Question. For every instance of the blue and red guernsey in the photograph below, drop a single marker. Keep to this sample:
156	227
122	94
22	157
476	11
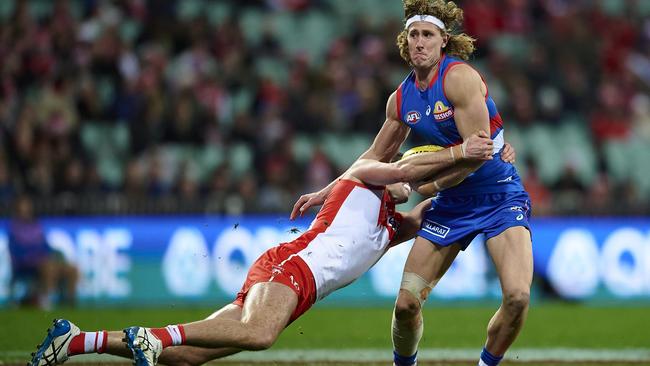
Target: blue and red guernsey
431	115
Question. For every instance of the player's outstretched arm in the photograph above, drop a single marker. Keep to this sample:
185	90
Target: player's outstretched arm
419	167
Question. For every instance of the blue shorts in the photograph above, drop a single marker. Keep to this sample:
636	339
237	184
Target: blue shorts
460	218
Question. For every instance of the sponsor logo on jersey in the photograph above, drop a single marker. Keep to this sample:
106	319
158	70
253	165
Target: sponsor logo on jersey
506	180
517	208
413	117
520	217
428	110
441	112
435	228
394	224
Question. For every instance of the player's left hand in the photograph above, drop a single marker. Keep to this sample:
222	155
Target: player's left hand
508	154
478	146
306	201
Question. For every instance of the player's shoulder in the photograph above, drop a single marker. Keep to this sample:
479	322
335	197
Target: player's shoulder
461	72
460	82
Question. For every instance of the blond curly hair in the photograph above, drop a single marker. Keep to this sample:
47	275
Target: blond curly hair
459	45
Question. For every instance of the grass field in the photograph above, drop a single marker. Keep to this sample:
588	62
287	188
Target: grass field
554	334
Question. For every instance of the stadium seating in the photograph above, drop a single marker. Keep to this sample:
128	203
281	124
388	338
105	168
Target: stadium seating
303	148
240	158
108	146
575	143
6	9
310	31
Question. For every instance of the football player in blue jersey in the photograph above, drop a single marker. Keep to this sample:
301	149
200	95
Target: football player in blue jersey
445	100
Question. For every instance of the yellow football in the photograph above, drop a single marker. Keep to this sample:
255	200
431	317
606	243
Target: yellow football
421	149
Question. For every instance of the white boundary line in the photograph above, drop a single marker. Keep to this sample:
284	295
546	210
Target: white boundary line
374	355
382	355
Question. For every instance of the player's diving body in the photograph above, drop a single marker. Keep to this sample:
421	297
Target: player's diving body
444	100
353	229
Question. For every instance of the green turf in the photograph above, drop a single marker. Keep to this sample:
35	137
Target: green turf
558	325
548	326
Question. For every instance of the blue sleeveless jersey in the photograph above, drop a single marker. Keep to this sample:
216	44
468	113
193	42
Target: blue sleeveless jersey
430	114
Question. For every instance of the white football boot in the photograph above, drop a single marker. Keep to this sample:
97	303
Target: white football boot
145	346
54	348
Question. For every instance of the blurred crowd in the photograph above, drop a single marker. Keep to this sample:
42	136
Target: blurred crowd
162	106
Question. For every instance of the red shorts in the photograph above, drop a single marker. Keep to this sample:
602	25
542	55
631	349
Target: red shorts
280	264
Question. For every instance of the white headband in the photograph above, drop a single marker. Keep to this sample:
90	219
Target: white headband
425	18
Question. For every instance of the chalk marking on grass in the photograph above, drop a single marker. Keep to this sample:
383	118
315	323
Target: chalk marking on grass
524	355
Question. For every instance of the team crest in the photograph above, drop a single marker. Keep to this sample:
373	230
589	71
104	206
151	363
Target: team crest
441	112
413	117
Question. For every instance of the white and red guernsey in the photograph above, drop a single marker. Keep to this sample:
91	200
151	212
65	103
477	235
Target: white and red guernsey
348	236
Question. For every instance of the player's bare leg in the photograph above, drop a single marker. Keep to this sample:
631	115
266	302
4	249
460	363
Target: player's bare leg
65	340
116	346
189	355
512	254
425	265
266	312
181	355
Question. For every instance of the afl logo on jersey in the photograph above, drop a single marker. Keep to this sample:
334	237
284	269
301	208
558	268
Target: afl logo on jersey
441	112
413	117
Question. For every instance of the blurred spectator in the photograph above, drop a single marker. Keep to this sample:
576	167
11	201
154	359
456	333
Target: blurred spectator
247	194
320	171
599	198
183	125
6	185
33	260
610	119
280	172
219	187
134	182
483	18
641	116
569	192
630	199
187	190
56	113
540	196
244	197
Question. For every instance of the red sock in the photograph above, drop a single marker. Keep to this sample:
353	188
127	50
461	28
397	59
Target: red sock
171	335
88	342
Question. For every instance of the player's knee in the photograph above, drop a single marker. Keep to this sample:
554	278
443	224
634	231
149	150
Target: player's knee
412	294
406	307
261	340
516	302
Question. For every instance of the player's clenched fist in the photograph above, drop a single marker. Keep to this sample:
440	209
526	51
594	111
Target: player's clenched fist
478	146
